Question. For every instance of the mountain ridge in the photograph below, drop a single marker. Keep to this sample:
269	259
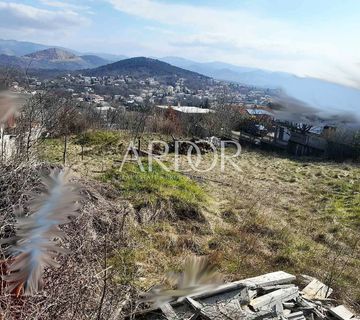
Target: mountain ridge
327	96
19	48
22	48
53	59
146	67
322	94
51	54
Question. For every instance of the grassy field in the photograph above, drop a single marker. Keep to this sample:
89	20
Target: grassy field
300	216
274	213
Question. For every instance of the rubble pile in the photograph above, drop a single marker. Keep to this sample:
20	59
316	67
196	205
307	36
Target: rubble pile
270	296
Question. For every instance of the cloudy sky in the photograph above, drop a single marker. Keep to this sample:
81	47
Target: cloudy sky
318	38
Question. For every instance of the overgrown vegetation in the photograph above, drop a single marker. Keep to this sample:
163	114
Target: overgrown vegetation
99	137
169	192
300	216
277	213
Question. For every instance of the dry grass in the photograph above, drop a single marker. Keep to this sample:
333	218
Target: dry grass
75	290
299	216
102	150
274	214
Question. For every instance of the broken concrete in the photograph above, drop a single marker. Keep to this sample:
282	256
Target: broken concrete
270	296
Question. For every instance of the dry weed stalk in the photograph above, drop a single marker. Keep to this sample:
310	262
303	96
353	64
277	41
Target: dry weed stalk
75	289
34	249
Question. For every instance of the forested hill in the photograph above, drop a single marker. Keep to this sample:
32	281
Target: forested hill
142	67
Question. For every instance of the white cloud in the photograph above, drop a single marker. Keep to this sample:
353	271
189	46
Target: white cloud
67	5
196	17
24	18
245	37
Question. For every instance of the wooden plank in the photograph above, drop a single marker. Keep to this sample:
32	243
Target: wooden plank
232	309
220	289
309	305
199	308
195	315
277	287
195	304
286	312
272	299
289	305
296	316
252	294
342	313
307	279
316	290
269	279
279	309
169	312
207	312
262	314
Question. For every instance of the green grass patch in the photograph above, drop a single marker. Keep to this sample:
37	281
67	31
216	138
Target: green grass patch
344	202
157	187
123	261
97	138
51	150
102	142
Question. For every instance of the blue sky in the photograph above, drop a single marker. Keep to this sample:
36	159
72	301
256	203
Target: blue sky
316	38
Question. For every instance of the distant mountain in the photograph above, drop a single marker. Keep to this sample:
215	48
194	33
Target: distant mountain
324	95
11	61
205	66
23	48
107	56
53	59
314	92
19	48
95	60
52	54
142	67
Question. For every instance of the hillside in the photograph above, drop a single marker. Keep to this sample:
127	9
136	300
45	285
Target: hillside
107	56
142	67
95	60
53	59
324	95
11	61
273	214
52	54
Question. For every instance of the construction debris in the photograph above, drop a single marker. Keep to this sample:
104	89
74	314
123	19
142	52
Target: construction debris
342	313
317	290
270	296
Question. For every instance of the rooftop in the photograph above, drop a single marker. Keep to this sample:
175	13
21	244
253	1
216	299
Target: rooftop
187	109
256	112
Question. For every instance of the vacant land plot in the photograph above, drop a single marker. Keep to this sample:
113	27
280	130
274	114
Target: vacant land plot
300	216
274	213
